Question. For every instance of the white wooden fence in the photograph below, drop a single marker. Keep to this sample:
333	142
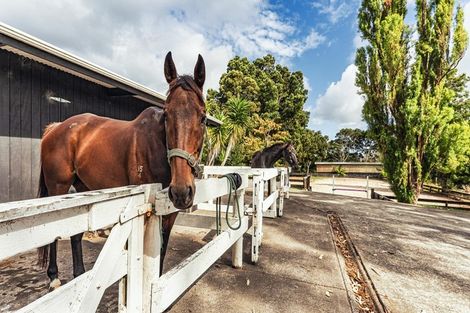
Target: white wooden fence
270	206
131	254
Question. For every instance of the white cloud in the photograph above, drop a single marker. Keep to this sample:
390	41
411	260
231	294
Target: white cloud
307	84
358	42
340	103
133	38
335	10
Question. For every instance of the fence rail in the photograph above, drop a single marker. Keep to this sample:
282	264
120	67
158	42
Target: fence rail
447	192
131	254
270	205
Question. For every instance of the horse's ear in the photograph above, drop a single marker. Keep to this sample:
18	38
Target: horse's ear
200	72
170	68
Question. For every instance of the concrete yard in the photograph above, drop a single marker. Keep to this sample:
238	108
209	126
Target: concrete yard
418	260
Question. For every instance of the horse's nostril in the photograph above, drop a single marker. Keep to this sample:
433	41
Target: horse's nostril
170	193
181	195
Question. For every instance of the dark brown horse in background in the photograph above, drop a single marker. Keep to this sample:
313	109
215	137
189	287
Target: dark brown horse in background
90	152
268	156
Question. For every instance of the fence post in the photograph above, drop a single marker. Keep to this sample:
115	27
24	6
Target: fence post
282	192
272	210
258	192
237	248
367	187
288	170
333	189
152	249
135	266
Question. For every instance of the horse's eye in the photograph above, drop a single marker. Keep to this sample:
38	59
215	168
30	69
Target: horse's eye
203	120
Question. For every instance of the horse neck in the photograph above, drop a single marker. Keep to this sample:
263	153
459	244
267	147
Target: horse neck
273	157
152	142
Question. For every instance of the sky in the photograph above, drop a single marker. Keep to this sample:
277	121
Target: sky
131	38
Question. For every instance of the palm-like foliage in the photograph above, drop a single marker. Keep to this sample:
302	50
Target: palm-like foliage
217	138
237	112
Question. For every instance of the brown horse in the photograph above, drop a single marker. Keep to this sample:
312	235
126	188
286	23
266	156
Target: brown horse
90	152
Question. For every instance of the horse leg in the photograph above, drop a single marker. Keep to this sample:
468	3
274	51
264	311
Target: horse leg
77	256
52	269
76	240
167	224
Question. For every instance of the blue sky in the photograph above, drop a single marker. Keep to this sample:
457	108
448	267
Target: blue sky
131	38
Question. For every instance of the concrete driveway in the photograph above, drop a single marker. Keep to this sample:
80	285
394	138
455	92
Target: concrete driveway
418	260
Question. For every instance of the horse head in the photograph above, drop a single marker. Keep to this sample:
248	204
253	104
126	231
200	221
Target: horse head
290	155
185	122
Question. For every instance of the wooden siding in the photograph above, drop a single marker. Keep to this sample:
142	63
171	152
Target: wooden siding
25	109
349	167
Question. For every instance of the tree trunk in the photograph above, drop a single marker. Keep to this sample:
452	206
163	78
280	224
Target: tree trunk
227	152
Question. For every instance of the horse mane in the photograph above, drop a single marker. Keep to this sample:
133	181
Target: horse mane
187	83
256	155
274	146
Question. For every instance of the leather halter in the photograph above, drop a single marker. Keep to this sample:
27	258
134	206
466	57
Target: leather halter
191	159
193	162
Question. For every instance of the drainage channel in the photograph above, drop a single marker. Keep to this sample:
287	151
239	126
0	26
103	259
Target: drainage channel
366	296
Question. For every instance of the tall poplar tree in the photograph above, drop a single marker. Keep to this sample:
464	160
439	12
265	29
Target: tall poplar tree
409	85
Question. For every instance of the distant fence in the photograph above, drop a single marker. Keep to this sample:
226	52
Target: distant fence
372	169
301	180
447	192
448	203
350	189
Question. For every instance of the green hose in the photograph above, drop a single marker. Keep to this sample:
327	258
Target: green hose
218	206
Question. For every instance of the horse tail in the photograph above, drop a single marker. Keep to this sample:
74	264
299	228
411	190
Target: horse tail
43	252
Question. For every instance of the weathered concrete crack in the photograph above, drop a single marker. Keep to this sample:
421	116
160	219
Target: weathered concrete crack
367	297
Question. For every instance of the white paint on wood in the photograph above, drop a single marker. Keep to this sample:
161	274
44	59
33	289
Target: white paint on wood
21	235
212	207
135	275
58	301
237	248
48	218
21	209
270	201
169	287
152	250
89	295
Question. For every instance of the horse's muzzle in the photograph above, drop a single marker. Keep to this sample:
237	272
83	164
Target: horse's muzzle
181	196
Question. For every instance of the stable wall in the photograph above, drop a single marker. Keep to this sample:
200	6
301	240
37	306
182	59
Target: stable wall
26	88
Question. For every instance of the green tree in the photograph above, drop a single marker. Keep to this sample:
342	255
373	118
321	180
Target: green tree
410	85
275	92
312	148
352	145
276	97
455	151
